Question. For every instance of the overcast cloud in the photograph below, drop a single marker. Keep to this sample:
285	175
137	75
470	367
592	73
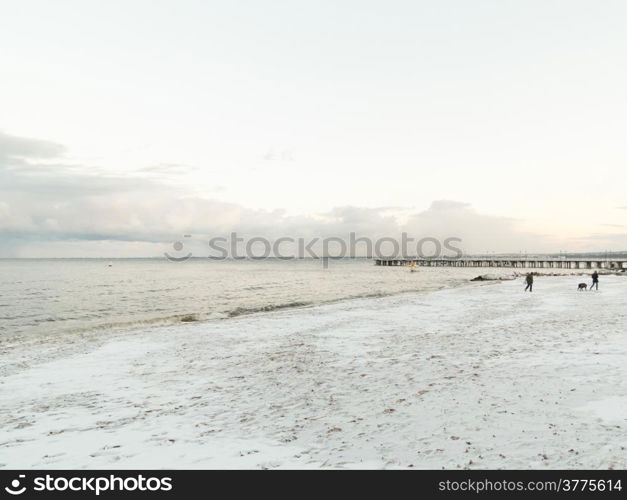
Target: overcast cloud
51	207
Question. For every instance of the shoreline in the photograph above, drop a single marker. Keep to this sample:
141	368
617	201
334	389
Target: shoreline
110	307
470	377
139	326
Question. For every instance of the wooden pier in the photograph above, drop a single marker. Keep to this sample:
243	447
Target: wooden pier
526	263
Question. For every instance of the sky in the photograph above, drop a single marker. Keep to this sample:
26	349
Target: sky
125	124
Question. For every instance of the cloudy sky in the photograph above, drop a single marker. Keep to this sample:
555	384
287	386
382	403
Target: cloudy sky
125	124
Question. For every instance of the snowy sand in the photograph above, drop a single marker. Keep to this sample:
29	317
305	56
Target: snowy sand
483	376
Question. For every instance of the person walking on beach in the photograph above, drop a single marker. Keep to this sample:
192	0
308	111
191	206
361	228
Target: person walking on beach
529	280
595	280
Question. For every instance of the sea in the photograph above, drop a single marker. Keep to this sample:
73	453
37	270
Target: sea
47	297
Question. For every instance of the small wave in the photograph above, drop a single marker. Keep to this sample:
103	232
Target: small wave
271	307
140	322
376	295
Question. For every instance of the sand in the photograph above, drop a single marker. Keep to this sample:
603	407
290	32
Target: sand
484	376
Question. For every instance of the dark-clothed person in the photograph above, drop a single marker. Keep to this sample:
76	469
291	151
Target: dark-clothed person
529	280
595	280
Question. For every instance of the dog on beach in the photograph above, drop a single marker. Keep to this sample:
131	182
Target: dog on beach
582	286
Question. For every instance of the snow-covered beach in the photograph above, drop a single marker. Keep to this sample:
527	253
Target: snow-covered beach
482	376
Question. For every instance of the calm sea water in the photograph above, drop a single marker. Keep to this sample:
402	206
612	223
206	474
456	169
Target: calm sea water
52	296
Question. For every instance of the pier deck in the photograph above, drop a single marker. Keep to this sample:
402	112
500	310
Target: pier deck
526	263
